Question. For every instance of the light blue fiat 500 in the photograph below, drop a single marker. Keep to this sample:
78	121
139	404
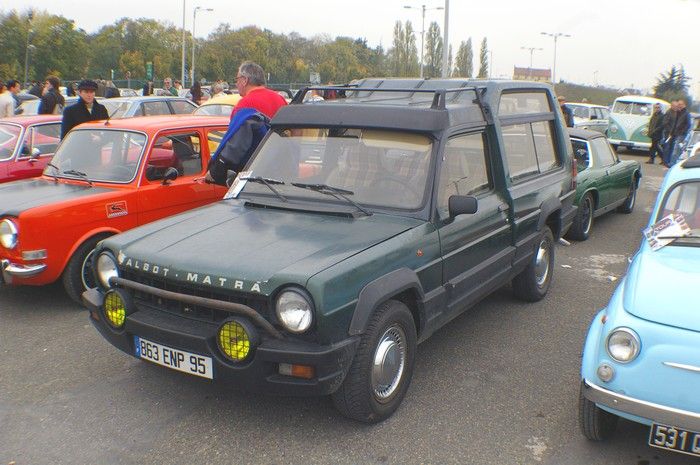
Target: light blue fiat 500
641	359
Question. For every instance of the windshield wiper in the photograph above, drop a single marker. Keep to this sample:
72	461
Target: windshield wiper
55	176
268	182
80	174
332	191
688	236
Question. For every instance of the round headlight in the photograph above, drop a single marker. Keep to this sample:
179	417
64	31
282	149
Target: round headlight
106	269
115	308
8	234
294	311
623	345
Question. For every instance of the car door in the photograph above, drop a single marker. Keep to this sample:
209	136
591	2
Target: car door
605	161
476	248
36	150
181	150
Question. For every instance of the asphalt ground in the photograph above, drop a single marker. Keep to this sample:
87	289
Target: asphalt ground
498	385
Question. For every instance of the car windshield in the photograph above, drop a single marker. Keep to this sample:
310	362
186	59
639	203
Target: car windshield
116	109
102	155
633	108
579	111
684	199
214	110
9	137
379	168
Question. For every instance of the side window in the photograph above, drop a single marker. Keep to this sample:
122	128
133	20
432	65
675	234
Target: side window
581	153
214	139
605	112
602	153
155	108
180	151
464	170
522	103
520	150
182	107
544	145
46	138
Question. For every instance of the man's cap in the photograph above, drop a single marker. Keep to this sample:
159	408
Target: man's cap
87	84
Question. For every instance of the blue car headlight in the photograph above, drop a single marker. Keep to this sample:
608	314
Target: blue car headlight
623	345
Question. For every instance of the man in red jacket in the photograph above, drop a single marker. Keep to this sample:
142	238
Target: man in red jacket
250	83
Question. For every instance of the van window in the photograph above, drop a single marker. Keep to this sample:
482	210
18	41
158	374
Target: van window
523	103
632	108
544	145
520	150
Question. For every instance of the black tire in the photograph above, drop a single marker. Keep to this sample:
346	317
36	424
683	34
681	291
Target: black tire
581	228
533	282
631	199
368	393
78	277
596	424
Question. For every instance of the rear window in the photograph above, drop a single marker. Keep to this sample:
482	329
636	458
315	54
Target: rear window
523	103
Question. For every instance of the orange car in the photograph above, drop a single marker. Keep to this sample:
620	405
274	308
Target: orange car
105	178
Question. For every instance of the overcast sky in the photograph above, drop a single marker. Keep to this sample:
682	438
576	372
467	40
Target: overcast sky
628	42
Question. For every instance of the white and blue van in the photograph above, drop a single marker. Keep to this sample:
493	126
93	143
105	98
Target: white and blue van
629	119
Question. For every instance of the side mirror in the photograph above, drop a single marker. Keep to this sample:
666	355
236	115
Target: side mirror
170	175
462	205
35	153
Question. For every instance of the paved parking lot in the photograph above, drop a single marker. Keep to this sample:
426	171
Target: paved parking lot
497	385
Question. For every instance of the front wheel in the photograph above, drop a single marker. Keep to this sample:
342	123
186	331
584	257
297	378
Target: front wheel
533	282
596	424
631	199
78	275
382	368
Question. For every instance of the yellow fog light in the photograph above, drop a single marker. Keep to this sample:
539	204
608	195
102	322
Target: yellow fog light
115	308
236	339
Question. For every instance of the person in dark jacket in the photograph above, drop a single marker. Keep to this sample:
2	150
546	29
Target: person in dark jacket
36	89
85	109
566	111
196	92
655	131
148	88
245	131
52	101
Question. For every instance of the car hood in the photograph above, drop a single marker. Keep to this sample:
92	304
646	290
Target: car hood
661	286
19	196
230	243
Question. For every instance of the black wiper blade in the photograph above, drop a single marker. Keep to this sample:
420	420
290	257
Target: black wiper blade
687	236
79	174
336	192
55	176
268	182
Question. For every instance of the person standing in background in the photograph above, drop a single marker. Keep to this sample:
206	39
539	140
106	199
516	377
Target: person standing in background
250	83
655	131
52	101
7	103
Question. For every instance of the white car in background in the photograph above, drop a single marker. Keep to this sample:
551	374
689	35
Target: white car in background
590	117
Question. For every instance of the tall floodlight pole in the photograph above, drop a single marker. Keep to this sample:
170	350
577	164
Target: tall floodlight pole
445	41
422	31
182	73
532	50
556	36
30	16
194	40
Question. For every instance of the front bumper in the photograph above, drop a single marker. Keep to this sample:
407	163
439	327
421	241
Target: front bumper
657	413
631	144
261	373
11	271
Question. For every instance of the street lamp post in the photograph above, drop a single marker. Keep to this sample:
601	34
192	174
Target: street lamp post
556	36
194	39
422	31
30	16
532	50
182	71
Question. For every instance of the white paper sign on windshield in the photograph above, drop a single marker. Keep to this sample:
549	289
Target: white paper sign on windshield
237	185
670	226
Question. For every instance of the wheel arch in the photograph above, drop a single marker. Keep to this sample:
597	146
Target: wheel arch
550	216
402	285
105	232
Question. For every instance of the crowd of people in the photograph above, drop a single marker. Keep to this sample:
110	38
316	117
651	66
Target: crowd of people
668	132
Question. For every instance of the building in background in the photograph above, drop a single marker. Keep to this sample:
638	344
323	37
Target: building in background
532	74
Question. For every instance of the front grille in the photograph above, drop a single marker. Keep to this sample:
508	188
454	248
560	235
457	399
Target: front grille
197	312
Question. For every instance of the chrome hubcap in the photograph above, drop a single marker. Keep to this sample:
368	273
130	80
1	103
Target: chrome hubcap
388	363
633	196
542	263
588	205
86	274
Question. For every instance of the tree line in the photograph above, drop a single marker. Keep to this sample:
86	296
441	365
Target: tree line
51	44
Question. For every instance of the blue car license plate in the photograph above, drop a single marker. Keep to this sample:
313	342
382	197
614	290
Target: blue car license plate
675	439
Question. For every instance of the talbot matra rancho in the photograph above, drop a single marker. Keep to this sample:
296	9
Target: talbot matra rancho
358	228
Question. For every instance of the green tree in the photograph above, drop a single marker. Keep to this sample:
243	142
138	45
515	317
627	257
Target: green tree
433	55
672	85
464	63
483	60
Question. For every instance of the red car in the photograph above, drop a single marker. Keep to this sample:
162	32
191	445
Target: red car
27	144
105	178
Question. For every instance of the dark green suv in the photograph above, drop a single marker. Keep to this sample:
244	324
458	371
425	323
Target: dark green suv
359	227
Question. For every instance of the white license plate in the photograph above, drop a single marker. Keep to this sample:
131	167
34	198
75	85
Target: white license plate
675	439
186	362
